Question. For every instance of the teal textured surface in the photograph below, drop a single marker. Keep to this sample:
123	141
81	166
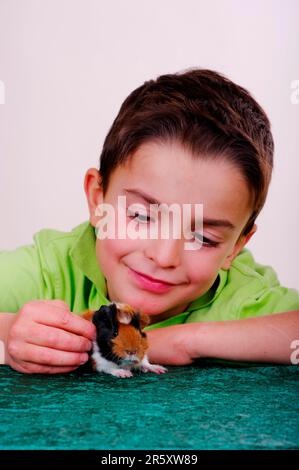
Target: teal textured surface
203	406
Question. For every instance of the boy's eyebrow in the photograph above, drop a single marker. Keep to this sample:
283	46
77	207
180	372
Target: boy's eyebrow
211	222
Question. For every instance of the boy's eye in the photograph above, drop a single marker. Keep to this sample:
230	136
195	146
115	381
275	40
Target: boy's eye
141	217
205	241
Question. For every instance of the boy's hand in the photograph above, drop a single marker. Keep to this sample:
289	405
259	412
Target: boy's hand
47	338
169	345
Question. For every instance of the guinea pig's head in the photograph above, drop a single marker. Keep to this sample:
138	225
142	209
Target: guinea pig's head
119	333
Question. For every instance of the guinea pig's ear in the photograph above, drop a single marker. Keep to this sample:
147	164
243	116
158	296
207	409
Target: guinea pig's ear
106	315
124	317
125	313
144	319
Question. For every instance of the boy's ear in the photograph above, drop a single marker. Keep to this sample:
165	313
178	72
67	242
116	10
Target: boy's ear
238	247
94	193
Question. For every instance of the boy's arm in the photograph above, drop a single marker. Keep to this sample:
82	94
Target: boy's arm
270	338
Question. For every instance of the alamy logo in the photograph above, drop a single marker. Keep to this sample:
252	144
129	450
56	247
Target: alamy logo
142	224
295	354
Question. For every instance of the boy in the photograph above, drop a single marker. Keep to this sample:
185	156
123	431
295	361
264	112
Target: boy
188	138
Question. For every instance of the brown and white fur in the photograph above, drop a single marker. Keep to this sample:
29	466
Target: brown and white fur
120	345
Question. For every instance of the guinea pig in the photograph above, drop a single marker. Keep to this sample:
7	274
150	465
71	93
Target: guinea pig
120	344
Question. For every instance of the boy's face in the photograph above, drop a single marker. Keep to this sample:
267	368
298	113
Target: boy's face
167	173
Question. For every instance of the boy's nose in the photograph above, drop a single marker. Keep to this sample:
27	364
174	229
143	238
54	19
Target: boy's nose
165	253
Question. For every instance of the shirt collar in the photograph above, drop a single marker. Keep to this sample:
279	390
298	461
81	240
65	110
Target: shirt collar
83	254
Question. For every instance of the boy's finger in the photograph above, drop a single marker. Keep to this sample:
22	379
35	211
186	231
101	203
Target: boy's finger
57	302
51	337
64	319
50	357
53	370
31	368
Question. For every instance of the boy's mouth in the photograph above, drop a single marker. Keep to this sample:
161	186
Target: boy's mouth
149	283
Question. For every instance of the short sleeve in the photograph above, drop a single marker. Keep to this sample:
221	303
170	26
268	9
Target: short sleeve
277	299
22	278
264	294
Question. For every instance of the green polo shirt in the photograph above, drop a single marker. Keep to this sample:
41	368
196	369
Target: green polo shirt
63	265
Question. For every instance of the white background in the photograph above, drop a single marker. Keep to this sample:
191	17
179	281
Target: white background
68	65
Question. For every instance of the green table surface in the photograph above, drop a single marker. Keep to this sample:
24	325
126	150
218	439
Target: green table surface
203	406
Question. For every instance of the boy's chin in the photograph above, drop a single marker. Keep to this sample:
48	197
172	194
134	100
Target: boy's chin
143	304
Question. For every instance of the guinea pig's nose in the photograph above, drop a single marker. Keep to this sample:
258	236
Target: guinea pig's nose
131	352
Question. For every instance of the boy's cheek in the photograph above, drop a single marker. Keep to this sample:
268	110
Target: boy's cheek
202	277
116	247
111	252
202	269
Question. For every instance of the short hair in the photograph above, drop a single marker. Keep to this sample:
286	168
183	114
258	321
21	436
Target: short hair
208	114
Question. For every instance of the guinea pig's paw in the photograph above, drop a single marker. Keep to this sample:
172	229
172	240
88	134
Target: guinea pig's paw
121	373
154	368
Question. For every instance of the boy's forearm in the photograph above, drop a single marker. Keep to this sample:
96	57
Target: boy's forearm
6	320
261	339
269	338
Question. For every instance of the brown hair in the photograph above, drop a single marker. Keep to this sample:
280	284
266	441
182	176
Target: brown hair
208	114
